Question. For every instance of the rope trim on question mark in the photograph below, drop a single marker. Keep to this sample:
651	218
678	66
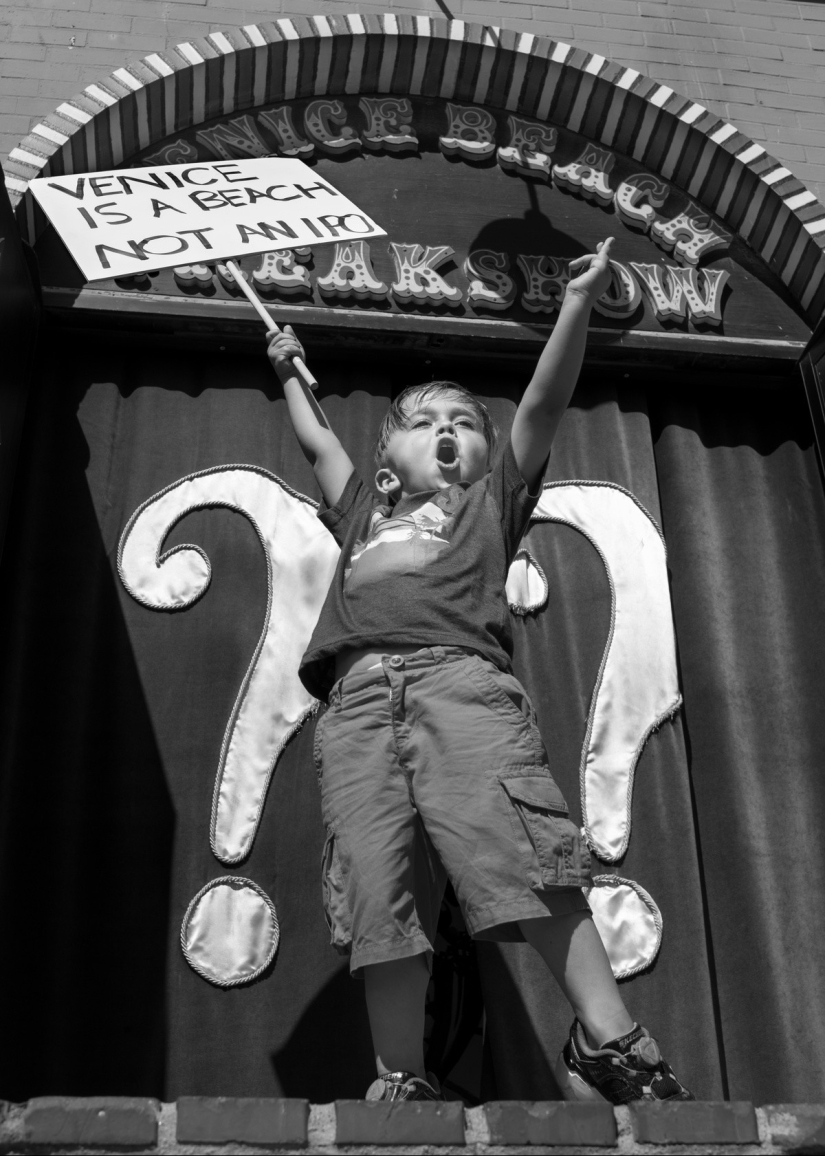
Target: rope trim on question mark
651	905
669	711
521	608
240	881
140	562
537	517
160	558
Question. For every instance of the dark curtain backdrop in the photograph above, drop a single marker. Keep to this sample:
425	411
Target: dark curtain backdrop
744	520
113	715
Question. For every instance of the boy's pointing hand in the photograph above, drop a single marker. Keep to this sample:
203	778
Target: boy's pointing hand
594	274
283	346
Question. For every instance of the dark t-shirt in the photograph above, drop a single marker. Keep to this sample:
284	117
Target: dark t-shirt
429	571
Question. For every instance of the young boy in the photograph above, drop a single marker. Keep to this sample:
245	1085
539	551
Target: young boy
430	760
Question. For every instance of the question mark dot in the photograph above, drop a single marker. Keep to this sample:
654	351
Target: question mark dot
230	931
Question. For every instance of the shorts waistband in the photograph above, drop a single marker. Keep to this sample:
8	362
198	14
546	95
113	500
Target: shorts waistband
418	660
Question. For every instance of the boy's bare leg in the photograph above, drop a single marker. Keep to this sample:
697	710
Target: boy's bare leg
396	992
572	948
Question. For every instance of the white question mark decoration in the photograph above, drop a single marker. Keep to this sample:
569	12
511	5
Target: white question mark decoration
230	931
636	689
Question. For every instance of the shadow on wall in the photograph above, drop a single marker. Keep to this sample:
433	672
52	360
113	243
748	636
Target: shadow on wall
86	825
533	232
760	419
452	1033
299	1065
518	1066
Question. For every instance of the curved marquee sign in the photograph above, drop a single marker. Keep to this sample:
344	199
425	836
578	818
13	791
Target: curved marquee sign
490	158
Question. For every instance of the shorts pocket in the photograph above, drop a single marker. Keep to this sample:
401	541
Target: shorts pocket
336	907
503	693
551	846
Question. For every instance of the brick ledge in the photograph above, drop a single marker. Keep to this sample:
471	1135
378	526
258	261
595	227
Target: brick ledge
231	1125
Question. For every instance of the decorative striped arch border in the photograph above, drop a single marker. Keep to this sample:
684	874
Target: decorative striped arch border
737	180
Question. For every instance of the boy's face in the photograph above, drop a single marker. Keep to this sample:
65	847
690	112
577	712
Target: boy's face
443	443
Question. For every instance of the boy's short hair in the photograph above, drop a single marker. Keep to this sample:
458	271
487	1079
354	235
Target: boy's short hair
396	416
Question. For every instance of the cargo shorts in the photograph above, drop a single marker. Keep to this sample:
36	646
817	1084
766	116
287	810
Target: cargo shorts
431	766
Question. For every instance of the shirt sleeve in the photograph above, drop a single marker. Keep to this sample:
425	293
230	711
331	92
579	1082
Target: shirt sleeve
509	491
354	501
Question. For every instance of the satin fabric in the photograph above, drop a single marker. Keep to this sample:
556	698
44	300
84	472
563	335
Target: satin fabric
629	923
636	687
300	559
526	587
230	932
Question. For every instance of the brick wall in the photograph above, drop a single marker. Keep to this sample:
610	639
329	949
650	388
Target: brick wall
758	63
227	1125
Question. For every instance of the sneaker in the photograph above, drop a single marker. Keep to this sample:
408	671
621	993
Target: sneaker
628	1068
404	1086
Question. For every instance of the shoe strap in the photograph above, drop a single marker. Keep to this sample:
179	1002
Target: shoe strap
639	1045
625	1042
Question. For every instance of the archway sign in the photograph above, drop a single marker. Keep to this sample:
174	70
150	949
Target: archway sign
490	157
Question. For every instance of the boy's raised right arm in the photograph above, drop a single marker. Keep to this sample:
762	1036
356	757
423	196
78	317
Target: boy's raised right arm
322	449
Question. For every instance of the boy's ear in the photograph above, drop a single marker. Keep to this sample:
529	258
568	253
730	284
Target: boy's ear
387	482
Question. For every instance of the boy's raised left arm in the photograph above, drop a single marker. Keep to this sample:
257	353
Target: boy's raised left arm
551	387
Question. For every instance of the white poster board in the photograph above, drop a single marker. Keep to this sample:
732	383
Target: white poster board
119	223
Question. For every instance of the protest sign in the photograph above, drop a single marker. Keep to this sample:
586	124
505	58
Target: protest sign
127	221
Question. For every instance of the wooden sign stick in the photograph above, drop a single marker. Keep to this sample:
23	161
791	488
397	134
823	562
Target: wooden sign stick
257	305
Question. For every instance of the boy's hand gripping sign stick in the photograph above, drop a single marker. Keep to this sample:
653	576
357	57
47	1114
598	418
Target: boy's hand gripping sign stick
258	306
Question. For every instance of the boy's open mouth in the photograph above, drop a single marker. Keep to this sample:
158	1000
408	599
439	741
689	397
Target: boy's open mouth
446	454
